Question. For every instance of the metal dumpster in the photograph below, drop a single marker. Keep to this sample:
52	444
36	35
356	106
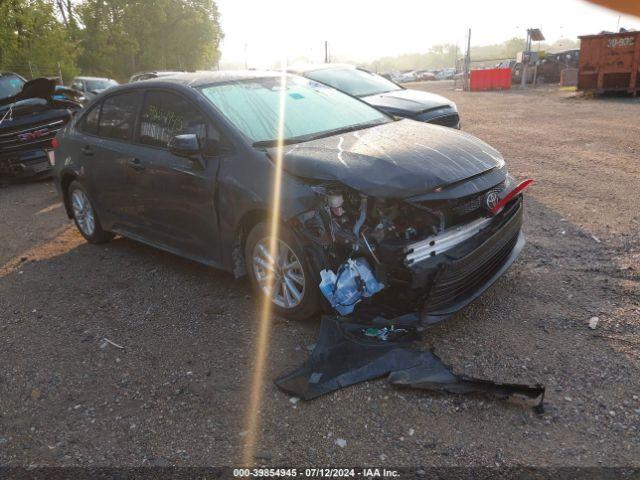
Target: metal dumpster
609	62
490	79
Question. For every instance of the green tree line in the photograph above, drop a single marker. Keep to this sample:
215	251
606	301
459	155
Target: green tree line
112	38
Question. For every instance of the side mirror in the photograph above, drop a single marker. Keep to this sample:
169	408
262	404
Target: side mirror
187	146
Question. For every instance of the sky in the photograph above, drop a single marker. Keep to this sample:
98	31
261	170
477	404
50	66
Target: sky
264	32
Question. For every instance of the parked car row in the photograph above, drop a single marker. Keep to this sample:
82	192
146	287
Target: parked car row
186	163
422	75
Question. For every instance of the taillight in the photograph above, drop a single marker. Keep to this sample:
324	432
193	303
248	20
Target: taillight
510	196
54	143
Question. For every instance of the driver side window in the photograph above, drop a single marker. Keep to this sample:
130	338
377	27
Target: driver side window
165	115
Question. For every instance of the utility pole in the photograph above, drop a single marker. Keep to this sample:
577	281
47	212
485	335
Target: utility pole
326	51
467	63
525	58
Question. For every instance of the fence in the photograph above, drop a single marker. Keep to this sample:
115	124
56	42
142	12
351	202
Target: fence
31	70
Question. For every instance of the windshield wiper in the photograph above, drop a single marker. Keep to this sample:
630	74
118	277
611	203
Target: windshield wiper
316	136
274	142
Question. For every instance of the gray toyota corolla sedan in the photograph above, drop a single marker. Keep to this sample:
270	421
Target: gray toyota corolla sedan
396	214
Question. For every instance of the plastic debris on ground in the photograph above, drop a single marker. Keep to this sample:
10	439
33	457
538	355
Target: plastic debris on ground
432	374
348	353
353	282
386	333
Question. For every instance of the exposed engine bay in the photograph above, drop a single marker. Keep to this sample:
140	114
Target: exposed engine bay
352	222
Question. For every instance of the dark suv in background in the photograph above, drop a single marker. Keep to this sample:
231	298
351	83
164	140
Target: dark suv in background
31	113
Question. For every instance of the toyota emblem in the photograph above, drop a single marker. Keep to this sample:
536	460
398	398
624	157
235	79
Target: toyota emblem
491	200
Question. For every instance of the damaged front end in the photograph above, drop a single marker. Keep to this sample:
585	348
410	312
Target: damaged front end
433	253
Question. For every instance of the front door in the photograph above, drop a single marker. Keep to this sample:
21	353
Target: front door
177	194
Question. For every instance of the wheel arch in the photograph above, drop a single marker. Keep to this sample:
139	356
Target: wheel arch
249	220
65	180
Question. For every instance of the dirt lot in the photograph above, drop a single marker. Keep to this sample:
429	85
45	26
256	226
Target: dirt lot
176	392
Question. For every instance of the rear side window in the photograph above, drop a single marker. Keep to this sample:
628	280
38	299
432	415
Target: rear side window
89	123
165	115
118	116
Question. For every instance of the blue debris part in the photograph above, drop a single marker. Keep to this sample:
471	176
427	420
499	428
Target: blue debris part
353	282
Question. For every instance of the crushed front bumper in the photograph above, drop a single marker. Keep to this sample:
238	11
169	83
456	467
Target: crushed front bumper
27	164
456	277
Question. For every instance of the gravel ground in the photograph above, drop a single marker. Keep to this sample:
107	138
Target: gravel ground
177	390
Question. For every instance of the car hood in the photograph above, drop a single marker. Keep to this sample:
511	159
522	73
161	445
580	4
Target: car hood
407	101
395	160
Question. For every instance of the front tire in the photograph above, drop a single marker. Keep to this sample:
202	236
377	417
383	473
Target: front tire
295	292
85	216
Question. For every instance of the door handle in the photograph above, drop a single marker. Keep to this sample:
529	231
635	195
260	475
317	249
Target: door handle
86	150
136	164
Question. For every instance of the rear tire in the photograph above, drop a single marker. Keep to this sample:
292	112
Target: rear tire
296	294
85	216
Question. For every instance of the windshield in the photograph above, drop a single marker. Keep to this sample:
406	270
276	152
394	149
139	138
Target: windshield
10	85
312	110
93	85
353	81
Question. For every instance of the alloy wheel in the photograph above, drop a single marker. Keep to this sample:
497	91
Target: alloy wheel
83	212
286	270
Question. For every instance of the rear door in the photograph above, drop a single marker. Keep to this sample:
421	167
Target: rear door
177	194
108	131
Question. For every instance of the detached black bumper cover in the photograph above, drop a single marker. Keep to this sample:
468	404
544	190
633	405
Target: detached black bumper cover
459	276
344	356
26	164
